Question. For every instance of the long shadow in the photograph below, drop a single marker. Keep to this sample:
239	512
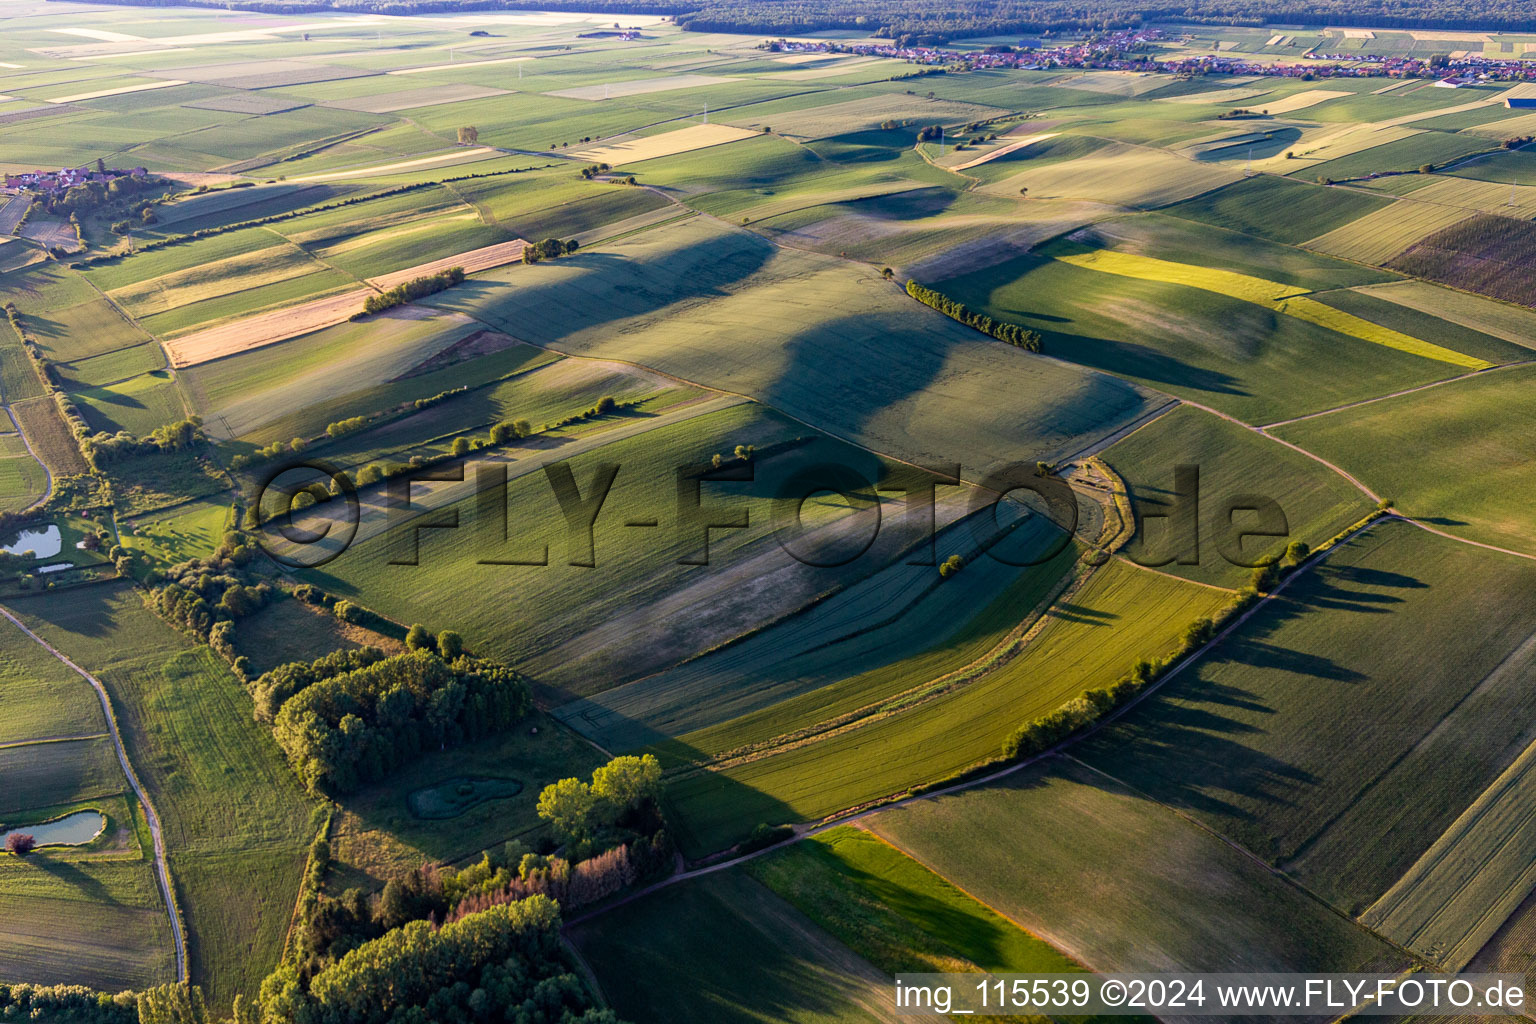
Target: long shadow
1194	744
71	875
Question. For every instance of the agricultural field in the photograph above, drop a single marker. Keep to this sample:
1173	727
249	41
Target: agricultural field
814	505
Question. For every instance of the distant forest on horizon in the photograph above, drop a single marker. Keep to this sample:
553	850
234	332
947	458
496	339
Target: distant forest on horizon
932	22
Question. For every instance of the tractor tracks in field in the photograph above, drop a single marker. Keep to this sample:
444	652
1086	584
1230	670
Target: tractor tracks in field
162	871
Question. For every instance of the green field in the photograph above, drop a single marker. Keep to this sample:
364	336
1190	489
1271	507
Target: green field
1256	741
896	913
745	956
1278	209
1224	268
236	823
1122	615
1158	894
1237	468
1447	454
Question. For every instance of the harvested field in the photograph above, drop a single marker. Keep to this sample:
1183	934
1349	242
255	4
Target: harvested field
1381	236
830	119
1301	100
409	99
119	91
279	325
1496	318
1486	254
454	157
264	329
476	259
682	140
264	74
639	87
1487	196
460	66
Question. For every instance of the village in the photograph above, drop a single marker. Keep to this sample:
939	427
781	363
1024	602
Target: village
1120	51
51	182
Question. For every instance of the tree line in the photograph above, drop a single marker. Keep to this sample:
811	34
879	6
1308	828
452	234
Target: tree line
1013	334
410	291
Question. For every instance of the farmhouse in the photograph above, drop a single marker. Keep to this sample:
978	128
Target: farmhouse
65	178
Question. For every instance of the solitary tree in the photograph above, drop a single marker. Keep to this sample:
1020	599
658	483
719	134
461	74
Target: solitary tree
469	135
568	806
626	781
450	644
20	843
460	446
418	639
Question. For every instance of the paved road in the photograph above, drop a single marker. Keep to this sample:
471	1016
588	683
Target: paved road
161	871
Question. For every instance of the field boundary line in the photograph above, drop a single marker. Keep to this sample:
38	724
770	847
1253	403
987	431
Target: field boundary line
162	871
1395	394
53	739
805	830
47	473
1245	852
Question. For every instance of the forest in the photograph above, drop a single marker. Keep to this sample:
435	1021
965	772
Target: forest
933	22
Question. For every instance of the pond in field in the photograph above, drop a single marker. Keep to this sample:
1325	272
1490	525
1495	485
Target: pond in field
42	541
71	830
452	797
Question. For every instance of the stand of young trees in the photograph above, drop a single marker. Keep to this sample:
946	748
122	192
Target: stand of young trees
411	290
1013	334
355	727
506	963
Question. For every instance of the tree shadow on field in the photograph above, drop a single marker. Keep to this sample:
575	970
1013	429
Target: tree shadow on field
69	874
1069	611
1132	359
554	300
1193	744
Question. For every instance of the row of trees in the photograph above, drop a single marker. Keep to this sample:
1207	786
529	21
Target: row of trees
1013	334
353	728
411	290
104	449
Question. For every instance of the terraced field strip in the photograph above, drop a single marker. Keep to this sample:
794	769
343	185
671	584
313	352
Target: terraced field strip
1379	236
1282	298
683	140
461	65
282	324
1012	147
457	156
1302	100
1499	319
119	91
484	258
1466	885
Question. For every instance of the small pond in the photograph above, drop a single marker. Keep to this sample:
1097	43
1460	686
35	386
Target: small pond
452	797
71	830
43	542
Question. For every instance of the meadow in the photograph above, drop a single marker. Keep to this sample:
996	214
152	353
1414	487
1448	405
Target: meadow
236	822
